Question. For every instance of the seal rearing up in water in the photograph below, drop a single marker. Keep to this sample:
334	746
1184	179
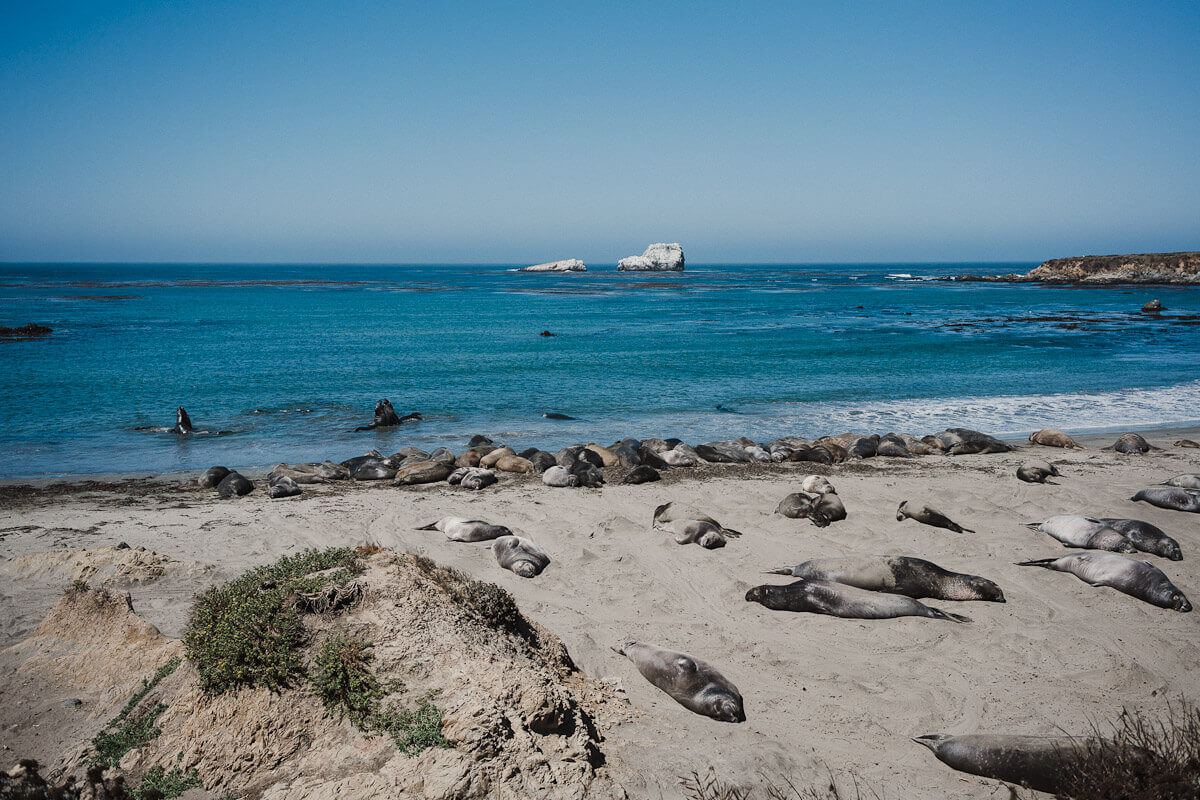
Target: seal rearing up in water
385	417
912	577
183	423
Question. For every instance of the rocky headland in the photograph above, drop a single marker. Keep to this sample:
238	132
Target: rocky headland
567	265
660	257
1157	268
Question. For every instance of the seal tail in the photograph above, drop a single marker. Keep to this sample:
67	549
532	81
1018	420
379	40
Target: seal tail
939	614
931	740
1033	526
1040	562
620	649
960	529
780	571
430	527
730	532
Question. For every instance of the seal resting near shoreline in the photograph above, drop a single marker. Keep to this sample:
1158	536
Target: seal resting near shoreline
472	478
694	684
1172	498
1053	437
1040	762
1074	530
234	485
1131	444
1146	537
912	577
692	526
1036	472
282	486
817	484
212	476
520	555
964	441
183	423
641	474
928	516
461	529
1139	579
842	600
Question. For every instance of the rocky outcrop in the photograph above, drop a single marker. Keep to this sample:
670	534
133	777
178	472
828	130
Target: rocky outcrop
569	265
30	331
658	257
1157	268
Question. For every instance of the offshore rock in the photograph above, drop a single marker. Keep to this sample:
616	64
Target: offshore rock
569	265
1157	268
658	257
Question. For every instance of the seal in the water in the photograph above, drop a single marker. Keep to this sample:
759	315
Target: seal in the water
386	417
1132	444
841	600
556	415
461	529
183	423
1184	481
520	555
1036	472
1139	579
1053	437
1172	498
1074	530
928	516
1187	443
234	485
694	684
913	577
692	526
1146	537
1043	763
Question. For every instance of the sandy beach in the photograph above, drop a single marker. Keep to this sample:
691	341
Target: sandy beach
822	694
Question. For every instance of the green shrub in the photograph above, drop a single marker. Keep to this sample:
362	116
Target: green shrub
487	602
124	732
413	730
158	783
342	678
247	632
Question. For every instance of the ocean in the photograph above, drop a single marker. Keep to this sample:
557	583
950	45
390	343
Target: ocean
280	362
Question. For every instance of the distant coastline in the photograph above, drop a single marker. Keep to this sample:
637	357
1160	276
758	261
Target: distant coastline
1136	268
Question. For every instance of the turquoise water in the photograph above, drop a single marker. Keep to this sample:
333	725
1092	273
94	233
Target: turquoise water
289	359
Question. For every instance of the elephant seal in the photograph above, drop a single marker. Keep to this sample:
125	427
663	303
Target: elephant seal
423	472
520	555
183	423
692	526
817	484
1171	498
964	441
1036	472
892	446
372	471
681	456
556	415
1053	437
472	478
1146	537
1132	444
694	684
841	600
912	577
212	476
460	529
516	464
1139	579
819	509
1187	443
282	486
607	457
386	417
490	458
1184	481
1043	763
559	477
1074	530
234	485
928	516
642	474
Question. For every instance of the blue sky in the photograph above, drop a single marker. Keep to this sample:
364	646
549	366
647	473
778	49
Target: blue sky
518	132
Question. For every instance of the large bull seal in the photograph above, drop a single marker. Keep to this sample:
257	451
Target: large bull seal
694	684
183	423
385	417
913	577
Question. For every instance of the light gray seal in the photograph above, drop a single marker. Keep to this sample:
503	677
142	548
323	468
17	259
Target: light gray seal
559	477
520	555
928	516
1139	579
1146	537
461	529
1187	443
1043	763
912	577
1184	481
1074	530
472	478
694	684
183	423
840	600
692	526
1036	472
282	486
1171	498
817	484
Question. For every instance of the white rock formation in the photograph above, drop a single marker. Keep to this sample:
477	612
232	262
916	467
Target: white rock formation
657	257
569	265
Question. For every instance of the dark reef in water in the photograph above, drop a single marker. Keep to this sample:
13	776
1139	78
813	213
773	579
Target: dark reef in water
1155	268
24	332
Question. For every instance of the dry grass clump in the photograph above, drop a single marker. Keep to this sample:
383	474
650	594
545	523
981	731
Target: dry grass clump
709	787
487	602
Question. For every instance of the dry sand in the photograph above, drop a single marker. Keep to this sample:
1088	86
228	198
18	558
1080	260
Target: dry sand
820	693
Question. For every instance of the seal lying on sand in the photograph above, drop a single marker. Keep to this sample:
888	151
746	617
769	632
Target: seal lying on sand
1187	443
1139	579
690	525
183	423
1131	443
840	600
912	577
472	478
1074	530
460	529
1039	762
928	516
1172	498
1053	437
694	684
1184	481
520	555
1036	471
1146	537
820	509
964	441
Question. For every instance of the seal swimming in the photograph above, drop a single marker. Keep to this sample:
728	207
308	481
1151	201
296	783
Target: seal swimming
386	417
913	577
556	415
694	684
1172	498
1146	537
841	600
460	529
928	516
183	423
520	555
1039	762
1074	530
1139	579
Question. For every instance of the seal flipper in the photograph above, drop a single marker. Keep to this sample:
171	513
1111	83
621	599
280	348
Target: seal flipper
658	511
430	527
781	571
1041	562
730	532
931	740
937	613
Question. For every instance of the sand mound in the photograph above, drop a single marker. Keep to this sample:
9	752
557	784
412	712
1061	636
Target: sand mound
111	566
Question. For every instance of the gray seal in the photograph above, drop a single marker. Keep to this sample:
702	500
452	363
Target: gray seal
694	684
234	485
183	423
819	509
212	476
692	526
1036	472
460	529
1074	530
1184	481
1171	498
641	474
928	516
1146	537
1042	763
559	477
1139	579
386	417
282	486
472	478
841	600
912	577
964	441
1132	444
1187	443
520	555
